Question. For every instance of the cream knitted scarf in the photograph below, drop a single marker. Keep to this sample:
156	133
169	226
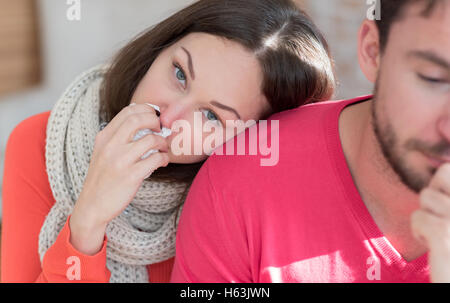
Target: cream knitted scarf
145	232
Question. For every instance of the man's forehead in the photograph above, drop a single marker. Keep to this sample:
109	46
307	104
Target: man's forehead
425	33
423	8
438	14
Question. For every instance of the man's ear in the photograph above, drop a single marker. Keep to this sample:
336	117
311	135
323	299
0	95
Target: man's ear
369	50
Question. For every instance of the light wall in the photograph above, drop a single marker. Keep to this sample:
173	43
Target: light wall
340	20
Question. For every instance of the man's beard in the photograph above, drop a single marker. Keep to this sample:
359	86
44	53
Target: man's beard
389	143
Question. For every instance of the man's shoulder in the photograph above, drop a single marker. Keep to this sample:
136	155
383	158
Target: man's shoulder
293	135
313	113
239	186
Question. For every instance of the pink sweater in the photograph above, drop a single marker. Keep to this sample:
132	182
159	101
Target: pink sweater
301	220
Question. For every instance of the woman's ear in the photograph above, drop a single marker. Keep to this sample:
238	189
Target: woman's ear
369	50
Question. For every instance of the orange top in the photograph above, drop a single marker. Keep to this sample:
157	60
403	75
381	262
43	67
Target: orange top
27	199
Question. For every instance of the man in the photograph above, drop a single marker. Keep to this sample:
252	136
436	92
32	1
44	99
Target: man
361	192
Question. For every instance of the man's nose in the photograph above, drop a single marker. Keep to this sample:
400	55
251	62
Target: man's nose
444	125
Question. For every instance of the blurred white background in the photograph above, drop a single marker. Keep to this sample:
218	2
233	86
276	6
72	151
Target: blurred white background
70	47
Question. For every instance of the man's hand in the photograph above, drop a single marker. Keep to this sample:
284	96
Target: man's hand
431	223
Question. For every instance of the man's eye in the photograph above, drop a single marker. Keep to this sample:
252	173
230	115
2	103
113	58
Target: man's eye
431	80
180	75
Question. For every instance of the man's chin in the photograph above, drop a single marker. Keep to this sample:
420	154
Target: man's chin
415	179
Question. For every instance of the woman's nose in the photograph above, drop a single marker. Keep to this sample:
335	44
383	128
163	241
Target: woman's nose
171	113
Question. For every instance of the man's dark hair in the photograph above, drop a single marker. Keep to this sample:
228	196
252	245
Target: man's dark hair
392	10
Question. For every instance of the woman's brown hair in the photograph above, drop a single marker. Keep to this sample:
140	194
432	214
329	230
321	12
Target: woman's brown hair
293	54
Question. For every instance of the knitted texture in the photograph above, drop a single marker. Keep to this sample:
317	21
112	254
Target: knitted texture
144	233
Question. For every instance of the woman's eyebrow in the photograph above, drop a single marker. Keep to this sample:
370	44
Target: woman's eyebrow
222	106
190	63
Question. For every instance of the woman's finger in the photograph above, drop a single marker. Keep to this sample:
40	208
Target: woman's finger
149	142
134	123
115	124
146	167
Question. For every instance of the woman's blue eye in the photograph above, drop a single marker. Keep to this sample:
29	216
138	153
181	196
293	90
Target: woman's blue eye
210	116
179	73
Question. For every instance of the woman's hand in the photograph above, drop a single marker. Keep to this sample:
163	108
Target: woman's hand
116	173
431	223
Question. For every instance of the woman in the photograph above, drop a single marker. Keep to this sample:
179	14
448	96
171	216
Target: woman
103	219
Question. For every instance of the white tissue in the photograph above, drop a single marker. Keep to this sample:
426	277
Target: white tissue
165	132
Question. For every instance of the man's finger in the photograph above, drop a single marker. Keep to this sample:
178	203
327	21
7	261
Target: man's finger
441	180
436	202
429	227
